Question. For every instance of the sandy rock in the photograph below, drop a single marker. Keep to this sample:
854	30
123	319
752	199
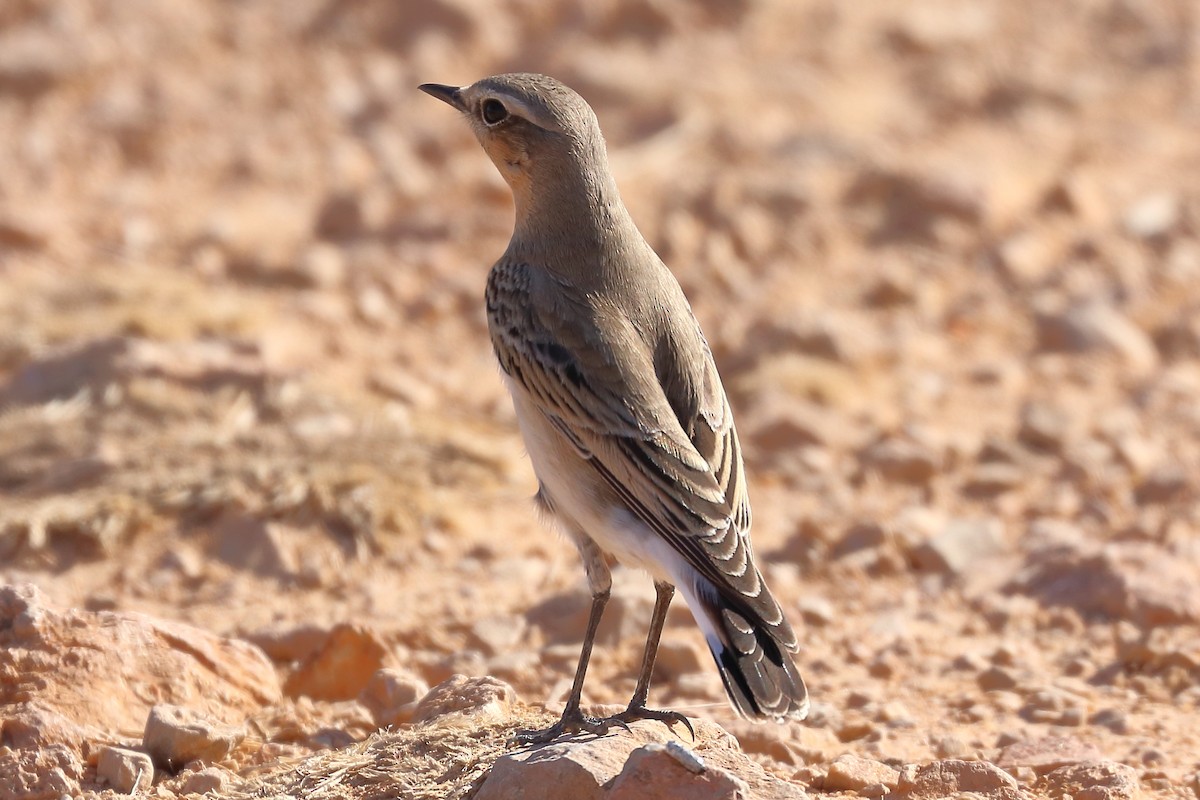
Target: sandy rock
1096	327
673	772
288	643
961	545
1166	651
1179	339
1164	484
1134	581
588	767
911	207
174	736
487	697
252	544
1043	427
497	634
901	461
80	674
127	771
680	656
392	695
209	780
950	777
47	773
1097	780
563	617
993	478
1046	755
348	659
1152	216
851	773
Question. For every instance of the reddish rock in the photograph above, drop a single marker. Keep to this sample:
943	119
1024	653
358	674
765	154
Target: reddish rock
47	773
127	771
1135	581
1048	754
1096	780
588	767
462	695
342	667
852	773
392	695
951	777
74	675
671	772
175	736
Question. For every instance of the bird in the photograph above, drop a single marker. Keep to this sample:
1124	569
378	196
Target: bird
619	402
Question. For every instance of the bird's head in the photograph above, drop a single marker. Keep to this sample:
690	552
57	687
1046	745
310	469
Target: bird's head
535	129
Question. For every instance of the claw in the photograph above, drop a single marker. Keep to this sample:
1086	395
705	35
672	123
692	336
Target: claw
634	713
573	721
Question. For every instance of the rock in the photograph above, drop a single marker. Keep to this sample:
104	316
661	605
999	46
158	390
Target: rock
88	675
1046	755
392	695
1164	651
486	697
851	773
951	777
1096	327
252	544
680	656
858	537
913	207
1135	581
44	773
997	679
1043	428
1164	484
127	771
961	545
1054	706
174	736
285	644
672	772
901	461
322	266
497	634
1114	719
563	617
1152	216
1097	780
590	767
342	667
993	478
1179	339
209	780
816	611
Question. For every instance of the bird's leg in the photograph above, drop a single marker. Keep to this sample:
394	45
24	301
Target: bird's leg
637	705
573	719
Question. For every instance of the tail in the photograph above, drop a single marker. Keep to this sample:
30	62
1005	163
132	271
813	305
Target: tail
753	655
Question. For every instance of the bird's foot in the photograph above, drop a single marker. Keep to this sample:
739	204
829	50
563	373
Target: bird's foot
635	713
573	722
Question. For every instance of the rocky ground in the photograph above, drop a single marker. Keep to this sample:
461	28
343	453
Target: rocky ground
264	515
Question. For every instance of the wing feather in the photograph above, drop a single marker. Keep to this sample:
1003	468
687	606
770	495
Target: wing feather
651	418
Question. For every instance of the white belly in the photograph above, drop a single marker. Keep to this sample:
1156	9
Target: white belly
583	500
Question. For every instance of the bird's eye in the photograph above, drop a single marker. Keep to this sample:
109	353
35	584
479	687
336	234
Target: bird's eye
493	112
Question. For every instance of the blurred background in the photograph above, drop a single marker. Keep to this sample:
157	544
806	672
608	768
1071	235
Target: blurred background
947	255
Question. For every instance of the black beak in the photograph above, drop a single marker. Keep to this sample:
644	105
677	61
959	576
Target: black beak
447	94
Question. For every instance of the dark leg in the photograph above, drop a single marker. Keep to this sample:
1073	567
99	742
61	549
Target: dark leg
637	706
573	720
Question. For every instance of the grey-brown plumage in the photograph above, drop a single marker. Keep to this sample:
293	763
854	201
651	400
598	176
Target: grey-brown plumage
618	399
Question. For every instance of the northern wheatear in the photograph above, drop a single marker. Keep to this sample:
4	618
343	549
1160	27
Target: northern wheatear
619	401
